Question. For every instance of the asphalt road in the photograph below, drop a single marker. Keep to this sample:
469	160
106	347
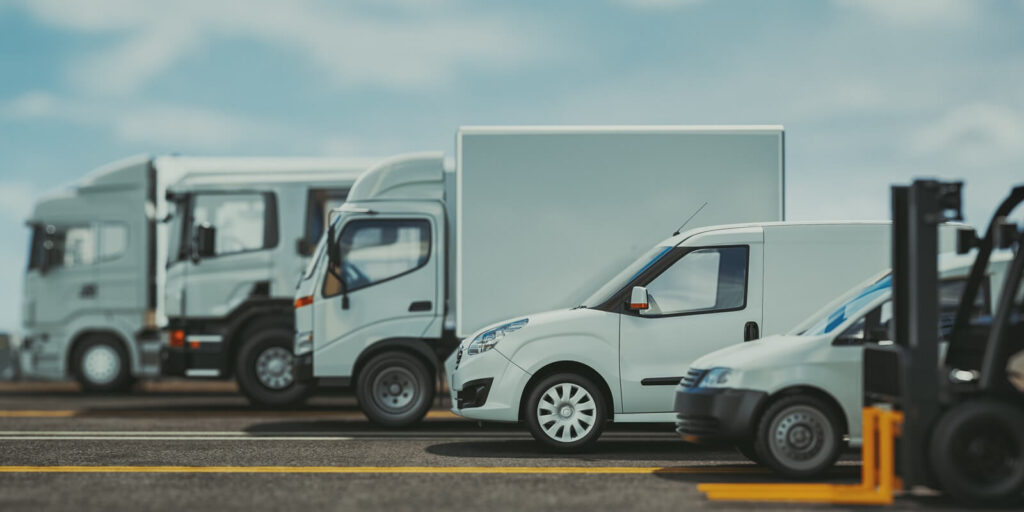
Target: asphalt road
188	447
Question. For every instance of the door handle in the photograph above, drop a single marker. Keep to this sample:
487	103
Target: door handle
421	305
750	331
88	291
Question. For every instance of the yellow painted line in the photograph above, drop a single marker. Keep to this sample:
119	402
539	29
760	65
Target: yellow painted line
37	414
500	470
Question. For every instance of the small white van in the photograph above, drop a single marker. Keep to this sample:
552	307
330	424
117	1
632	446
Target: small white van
793	401
618	354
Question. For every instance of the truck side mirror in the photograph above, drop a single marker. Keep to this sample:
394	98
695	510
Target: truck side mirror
1005	234
206	240
966	239
638	300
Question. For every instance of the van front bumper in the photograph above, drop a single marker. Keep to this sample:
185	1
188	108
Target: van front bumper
717	414
485	386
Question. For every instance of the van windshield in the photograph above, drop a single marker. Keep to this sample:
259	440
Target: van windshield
851	308
628	274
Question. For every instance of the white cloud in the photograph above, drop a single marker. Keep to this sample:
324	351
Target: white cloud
976	134
398	45
915	13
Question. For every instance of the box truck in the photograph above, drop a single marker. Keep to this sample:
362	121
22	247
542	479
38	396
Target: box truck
527	218
619	354
793	401
94	295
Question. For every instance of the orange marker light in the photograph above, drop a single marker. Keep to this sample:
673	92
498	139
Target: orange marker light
303	301
177	339
193	345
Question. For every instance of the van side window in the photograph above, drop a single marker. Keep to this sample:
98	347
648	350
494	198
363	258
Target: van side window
702	281
373	251
240	220
113	241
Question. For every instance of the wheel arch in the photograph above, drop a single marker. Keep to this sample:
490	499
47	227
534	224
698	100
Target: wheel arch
804	389
414	346
570	367
247	314
81	336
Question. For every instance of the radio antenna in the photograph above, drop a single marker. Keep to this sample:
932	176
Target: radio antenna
690	218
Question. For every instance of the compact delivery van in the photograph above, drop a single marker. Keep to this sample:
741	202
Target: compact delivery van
620	353
421	255
793	401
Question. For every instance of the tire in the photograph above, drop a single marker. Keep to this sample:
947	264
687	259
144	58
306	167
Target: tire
799	436
977	452
101	365
395	389
566	412
263	367
747	450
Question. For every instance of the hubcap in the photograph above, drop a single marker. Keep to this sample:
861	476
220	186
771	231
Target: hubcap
801	437
274	368
101	364
566	412
395	389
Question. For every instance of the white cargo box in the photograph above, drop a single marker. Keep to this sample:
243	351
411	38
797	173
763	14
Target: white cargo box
545	215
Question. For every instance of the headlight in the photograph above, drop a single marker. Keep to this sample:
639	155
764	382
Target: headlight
716	378
489	338
303	343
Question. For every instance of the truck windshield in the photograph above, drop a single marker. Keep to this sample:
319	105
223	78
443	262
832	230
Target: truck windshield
628	274
852	307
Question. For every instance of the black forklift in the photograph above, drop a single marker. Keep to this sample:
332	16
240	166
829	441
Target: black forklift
963	416
943	414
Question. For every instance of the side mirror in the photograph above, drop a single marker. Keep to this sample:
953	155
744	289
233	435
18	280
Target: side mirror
206	240
1006	234
966	239
638	300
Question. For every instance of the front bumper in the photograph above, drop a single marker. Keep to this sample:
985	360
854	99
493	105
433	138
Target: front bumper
717	414
485	386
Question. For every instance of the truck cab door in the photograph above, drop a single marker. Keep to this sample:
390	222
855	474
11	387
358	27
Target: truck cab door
66	285
707	299
387	286
246	227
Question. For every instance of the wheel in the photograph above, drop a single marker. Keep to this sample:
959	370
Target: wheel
101	365
263	367
395	389
799	436
566	412
977	452
747	450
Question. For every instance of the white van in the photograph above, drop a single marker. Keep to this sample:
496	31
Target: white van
794	401
618	355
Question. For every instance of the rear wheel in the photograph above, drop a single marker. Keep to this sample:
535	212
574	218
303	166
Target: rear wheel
263	368
799	436
566	411
977	452
395	389
101	365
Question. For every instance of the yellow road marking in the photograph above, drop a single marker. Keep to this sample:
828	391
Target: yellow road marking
72	413
502	470
37	414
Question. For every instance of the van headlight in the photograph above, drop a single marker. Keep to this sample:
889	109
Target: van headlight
303	343
488	339
716	378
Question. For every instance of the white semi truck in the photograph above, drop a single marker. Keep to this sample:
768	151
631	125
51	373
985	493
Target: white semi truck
529	218
102	250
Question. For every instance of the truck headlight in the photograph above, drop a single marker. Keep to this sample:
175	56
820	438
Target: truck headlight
716	378
303	343
488	339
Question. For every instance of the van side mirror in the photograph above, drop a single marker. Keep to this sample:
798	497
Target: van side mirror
966	239
206	240
638	300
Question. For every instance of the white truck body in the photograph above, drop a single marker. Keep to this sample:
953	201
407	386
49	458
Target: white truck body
702	290
529	217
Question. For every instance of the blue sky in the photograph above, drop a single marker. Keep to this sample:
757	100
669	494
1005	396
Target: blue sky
870	91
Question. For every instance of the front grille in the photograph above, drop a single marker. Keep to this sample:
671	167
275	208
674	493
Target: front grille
693	377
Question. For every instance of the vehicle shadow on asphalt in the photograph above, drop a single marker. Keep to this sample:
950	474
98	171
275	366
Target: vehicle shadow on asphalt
605	450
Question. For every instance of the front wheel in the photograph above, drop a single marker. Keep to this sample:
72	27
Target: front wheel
395	389
566	412
799	436
977	452
263	368
101	365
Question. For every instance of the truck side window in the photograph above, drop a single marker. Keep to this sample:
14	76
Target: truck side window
113	240
702	281
240	220
373	251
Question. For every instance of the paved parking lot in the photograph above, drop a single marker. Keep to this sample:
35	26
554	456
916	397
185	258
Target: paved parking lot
187	446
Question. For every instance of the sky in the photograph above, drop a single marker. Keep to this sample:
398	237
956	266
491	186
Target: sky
871	92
